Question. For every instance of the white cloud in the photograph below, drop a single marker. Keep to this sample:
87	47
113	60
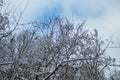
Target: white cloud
34	8
108	23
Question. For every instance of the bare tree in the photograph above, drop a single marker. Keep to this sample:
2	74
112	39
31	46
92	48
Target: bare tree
62	40
9	21
55	49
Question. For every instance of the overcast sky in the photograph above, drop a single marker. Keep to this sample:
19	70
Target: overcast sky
103	15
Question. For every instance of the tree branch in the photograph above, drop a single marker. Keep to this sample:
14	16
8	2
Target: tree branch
6	63
61	65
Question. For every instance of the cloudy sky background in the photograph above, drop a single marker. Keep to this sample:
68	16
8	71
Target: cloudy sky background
103	15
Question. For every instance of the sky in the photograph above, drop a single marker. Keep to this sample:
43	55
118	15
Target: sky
103	15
